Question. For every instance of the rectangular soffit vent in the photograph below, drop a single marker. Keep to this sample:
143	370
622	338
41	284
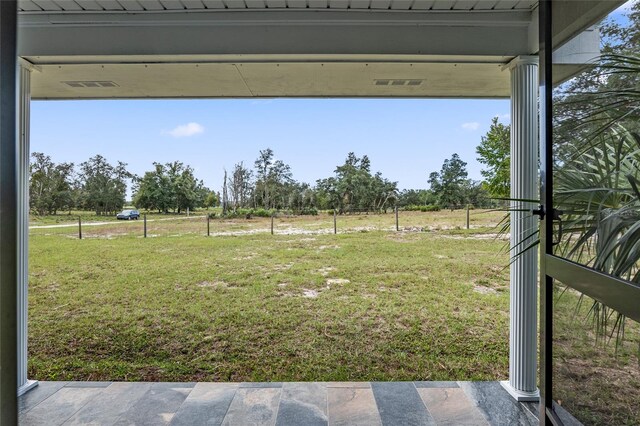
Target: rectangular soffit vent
397	82
90	83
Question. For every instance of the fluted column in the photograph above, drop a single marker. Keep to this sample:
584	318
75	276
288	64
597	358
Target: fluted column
524	269
24	118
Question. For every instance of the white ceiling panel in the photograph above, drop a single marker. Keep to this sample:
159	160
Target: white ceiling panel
401	4
360	4
443	5
68	5
464	4
485	4
422	4
380	4
151	4
110	4
47	5
154	5
193	4
172	4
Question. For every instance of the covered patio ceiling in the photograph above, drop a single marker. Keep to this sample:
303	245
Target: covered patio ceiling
84	49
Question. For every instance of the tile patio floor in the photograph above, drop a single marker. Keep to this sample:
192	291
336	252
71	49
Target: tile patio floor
244	404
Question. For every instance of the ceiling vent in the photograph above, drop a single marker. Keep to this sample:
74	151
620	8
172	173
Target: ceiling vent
90	83
397	82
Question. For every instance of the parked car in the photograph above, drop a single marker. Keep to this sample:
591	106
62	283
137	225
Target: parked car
128	215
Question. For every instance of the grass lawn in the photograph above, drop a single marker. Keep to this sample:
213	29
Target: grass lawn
366	304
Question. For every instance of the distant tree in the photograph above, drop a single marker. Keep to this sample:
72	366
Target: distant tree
495	153
211	200
225	198
240	186
51	186
448	184
416	197
154	191
103	185
354	188
273	177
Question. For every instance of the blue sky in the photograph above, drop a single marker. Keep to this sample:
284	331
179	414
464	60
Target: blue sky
405	139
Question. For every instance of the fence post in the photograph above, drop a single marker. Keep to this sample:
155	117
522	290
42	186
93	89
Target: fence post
208	225
335	221
467	216
79	227
397	222
145	225
187	211
272	214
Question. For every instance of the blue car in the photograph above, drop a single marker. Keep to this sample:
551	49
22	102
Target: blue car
128	215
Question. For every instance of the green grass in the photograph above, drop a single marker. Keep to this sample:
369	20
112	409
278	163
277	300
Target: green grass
596	380
418	305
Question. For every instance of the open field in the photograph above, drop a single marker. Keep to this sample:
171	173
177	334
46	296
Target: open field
427	303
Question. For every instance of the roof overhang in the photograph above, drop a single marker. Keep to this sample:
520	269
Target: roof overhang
270	52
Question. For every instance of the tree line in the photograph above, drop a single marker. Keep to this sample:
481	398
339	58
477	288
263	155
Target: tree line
99	186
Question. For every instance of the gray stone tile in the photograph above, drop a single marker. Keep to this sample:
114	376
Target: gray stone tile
253	406
207	404
436	384
451	407
87	384
303	404
399	404
38	394
353	407
109	405
56	409
359	385
261	385
157	406
497	405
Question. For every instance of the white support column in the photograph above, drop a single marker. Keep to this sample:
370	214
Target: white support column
24	119
524	269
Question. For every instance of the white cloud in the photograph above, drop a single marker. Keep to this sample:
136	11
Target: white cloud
471	126
186	130
506	116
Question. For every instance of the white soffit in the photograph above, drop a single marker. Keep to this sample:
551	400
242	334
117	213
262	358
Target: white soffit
160	5
282	79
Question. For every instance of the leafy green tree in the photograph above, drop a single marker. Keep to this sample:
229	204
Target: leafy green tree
448	184
103	185
272	178
211	200
50	185
170	186
495	153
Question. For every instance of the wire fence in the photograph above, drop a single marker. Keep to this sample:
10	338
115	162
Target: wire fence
278	223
